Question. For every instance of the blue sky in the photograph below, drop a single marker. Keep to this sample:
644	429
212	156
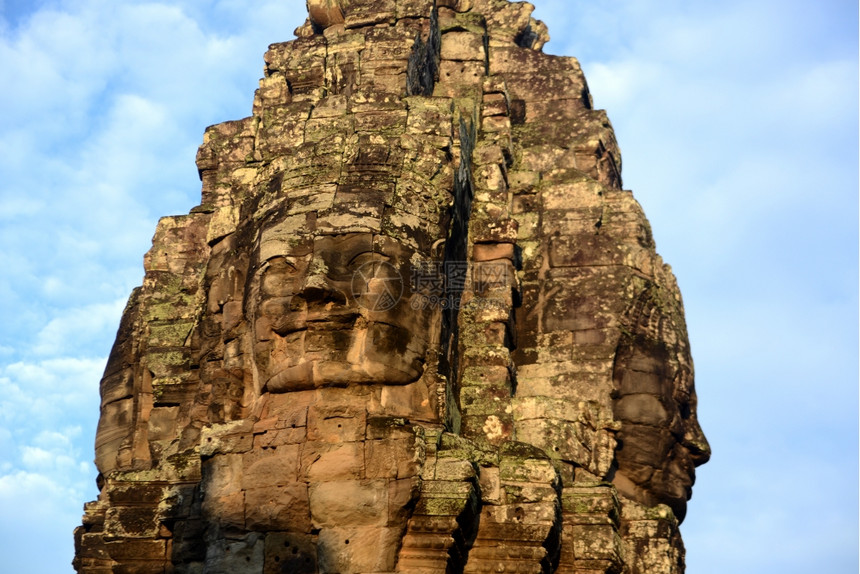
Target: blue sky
738	123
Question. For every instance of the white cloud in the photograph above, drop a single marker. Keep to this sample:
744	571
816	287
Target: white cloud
41	460
76	329
46	473
100	132
41	492
49	395
57	439
19	206
35	508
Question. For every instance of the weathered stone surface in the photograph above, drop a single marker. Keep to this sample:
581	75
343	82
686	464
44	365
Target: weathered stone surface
416	325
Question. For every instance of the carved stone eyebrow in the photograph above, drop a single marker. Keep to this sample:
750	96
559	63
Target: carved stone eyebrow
364	254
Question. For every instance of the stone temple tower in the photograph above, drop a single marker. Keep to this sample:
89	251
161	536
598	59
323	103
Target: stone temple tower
415	325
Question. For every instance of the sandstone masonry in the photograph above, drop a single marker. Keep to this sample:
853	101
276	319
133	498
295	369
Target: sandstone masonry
415	325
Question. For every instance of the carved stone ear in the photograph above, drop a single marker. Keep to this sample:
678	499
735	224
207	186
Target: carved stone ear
325	13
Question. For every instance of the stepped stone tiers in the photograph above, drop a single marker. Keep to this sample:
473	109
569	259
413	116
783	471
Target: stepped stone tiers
415	325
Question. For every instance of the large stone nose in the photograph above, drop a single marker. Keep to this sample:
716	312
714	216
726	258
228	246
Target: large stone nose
325	13
696	442
318	289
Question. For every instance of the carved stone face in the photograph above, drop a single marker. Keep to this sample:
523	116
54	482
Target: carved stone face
660	442
334	310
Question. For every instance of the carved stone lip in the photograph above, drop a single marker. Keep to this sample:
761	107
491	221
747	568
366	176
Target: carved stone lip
295	378
324	321
314	374
686	475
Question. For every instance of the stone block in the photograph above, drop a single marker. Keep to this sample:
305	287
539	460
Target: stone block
594	542
279	437
349	503
130	549
273	466
278	508
454	469
140	567
402	496
290	552
226	438
413	8
459	79
363	14
526	470
90	546
484	400
229	556
327	461
463	45
222	474
493	251
590	503
491	486
393	458
490	429
227	510
341	423
497	231
132	521
357	550
135	493
273	91
441	506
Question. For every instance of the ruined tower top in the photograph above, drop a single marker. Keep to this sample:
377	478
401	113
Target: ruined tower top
414	325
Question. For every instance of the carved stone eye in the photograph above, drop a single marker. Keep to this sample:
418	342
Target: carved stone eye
367	257
281	276
282	264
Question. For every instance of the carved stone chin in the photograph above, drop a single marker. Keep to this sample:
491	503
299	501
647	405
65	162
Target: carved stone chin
416	325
